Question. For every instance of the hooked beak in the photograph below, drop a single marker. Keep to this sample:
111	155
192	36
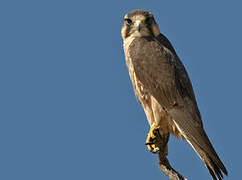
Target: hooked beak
138	25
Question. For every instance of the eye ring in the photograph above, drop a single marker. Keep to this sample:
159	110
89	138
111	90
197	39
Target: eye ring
128	21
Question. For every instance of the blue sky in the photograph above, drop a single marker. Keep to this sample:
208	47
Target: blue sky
68	110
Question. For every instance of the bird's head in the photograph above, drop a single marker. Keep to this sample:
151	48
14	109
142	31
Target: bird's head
139	23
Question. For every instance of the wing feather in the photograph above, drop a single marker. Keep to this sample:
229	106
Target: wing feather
159	69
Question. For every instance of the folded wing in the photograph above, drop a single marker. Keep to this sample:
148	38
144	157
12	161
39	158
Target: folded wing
159	69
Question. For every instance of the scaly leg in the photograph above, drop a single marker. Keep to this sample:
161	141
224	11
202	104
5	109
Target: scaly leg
152	139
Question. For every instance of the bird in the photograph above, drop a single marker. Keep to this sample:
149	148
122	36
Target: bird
163	88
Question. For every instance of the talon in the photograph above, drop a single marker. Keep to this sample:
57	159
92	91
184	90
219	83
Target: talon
150	148
152	139
155	149
149	143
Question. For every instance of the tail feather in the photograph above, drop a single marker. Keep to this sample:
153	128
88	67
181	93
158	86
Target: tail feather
214	170
211	161
190	126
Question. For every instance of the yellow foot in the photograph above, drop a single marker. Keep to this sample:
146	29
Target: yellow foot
151	141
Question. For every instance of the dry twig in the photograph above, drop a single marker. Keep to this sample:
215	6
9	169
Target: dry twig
166	168
164	164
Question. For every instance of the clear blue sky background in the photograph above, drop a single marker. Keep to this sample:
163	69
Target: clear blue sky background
67	107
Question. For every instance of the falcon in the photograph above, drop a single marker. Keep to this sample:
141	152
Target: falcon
164	90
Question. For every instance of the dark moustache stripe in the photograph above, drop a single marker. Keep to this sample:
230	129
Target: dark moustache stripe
127	31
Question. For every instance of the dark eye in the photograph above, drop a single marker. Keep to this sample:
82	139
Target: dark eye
148	20
128	21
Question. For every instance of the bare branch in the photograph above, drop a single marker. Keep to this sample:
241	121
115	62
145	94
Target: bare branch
164	164
166	168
